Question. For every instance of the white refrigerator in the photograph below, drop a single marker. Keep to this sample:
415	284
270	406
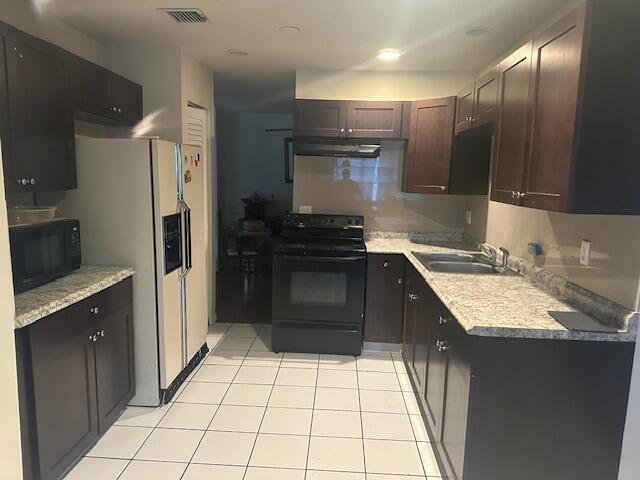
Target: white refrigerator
127	189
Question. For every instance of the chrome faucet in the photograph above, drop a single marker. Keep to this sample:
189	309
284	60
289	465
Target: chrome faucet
489	252
505	258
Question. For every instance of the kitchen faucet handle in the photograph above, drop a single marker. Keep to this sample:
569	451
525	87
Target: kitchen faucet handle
489	252
505	257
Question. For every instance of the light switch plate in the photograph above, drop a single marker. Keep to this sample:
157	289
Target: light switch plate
585	252
305	209
467	217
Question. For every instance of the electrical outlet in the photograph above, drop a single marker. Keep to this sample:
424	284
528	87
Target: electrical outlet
305	209
467	217
585	252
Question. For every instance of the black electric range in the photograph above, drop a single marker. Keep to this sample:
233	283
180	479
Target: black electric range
319	271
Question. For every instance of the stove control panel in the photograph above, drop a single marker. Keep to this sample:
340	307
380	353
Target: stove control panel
326	221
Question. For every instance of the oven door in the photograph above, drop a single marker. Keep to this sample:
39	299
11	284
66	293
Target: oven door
319	289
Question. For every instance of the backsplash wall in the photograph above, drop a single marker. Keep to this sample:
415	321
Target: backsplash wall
371	187
614	270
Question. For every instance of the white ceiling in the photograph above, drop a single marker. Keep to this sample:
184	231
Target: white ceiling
336	34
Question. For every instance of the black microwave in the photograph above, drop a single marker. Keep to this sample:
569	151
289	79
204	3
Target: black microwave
42	252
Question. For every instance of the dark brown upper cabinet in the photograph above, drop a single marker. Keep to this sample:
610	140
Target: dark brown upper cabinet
476	104
345	118
580	140
511	132
38	146
41	88
320	118
101	96
428	158
124	100
87	86
374	119
464	109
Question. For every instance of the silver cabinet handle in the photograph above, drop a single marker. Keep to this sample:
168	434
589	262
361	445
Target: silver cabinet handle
442	320
24	181
350	131
93	338
102	333
399	280
442	345
342	130
521	195
119	110
95	310
443	187
32	181
413	297
385	264
514	194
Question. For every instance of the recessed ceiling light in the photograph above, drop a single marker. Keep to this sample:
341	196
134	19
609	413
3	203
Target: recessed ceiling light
290	29
478	31
238	53
389	54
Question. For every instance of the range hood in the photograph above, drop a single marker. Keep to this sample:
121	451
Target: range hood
340	147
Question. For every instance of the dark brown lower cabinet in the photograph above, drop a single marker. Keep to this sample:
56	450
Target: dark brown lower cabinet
75	376
513	408
384	303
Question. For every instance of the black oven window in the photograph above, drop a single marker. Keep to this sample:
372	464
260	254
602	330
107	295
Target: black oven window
319	288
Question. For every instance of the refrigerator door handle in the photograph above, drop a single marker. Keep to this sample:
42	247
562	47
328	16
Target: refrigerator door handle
187	240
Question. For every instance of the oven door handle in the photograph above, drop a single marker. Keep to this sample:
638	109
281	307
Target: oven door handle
302	258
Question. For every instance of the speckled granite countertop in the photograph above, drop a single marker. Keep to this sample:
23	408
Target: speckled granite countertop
511	306
41	301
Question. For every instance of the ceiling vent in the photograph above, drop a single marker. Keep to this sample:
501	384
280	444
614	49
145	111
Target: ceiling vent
186	15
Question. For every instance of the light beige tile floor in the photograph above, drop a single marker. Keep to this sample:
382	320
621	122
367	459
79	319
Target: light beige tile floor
249	414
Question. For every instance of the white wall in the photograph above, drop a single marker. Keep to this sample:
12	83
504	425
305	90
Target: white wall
23	16
368	85
10	456
198	88
251	159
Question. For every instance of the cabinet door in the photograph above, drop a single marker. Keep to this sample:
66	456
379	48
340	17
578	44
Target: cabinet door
384	304
41	145
436	373
412	282
320	118
64	388
423	315
428	160
485	99
464	109
556	66
511	134
457	346
114	352
124	100
87	85
374	119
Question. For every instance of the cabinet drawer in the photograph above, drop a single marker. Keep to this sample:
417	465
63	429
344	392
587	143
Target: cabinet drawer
109	301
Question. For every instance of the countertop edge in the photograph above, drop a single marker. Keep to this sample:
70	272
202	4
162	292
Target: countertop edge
110	278
628	336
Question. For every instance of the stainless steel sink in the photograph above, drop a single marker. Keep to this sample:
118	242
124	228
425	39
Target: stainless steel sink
470	263
462	267
452	257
